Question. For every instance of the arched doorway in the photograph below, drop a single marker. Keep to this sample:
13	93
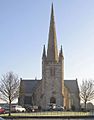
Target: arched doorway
53	100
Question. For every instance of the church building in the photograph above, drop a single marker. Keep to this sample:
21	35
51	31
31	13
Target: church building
52	88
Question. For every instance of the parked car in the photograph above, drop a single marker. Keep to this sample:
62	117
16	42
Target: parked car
54	107
18	108
51	107
2	118
6	107
30	108
2	110
59	108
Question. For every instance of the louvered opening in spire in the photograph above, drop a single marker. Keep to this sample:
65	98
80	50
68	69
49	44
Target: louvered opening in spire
52	51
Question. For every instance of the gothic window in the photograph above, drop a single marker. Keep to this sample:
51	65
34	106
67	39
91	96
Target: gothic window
52	72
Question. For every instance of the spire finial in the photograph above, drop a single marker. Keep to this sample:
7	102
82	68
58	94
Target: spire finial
52	4
52	7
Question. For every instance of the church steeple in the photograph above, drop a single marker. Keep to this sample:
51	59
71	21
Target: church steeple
52	69
52	51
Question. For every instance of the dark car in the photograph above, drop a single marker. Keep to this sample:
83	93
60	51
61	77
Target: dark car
31	108
28	108
59	108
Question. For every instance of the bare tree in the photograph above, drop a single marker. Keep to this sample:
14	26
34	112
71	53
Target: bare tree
9	88
87	91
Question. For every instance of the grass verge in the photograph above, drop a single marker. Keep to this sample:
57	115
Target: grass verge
55	113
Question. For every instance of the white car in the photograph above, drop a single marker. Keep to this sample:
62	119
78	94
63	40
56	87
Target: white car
18	108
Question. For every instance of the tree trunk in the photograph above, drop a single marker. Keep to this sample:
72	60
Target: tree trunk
9	107
85	104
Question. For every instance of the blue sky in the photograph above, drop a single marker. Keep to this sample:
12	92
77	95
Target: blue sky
24	26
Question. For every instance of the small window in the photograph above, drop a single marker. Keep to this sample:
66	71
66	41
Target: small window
52	72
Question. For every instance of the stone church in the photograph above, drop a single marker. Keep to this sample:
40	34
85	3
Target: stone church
52	88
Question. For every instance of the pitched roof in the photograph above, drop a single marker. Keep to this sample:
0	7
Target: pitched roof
72	85
30	85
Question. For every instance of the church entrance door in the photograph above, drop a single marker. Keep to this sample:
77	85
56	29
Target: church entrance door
52	100
52	103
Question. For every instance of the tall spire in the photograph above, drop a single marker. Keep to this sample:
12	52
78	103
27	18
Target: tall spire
52	52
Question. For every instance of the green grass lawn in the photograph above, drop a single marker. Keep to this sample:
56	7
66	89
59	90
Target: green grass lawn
55	113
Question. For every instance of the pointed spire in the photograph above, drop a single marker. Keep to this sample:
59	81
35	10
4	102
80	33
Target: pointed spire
44	52
52	52
61	53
